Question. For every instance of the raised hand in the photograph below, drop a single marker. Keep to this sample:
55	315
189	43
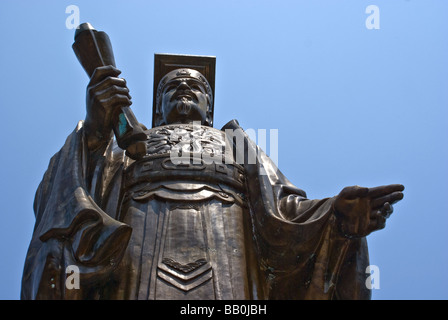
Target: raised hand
361	210
105	93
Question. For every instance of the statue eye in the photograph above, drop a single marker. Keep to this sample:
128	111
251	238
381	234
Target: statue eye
170	88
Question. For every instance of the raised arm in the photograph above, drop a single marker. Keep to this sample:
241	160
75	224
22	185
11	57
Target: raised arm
106	93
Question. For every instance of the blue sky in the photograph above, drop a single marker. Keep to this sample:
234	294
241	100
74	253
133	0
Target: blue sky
352	106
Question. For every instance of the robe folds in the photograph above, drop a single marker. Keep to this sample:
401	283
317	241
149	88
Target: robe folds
156	229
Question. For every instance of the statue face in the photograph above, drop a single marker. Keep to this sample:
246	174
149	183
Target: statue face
184	100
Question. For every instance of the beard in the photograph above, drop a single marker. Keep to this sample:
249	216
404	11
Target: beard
184	106
183	110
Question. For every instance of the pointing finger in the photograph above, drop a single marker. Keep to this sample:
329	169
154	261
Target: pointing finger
384	190
390	198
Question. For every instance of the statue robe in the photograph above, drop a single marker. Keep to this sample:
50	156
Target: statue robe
150	229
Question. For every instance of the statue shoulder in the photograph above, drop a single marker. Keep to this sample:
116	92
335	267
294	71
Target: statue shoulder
232	124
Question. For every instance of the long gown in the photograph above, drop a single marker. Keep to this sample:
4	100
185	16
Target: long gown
171	226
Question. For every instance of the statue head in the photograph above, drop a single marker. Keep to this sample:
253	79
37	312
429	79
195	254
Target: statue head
183	95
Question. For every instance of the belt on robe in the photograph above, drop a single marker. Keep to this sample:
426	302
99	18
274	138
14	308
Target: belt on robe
161	168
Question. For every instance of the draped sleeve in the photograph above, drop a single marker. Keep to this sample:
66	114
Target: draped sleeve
71	228
302	254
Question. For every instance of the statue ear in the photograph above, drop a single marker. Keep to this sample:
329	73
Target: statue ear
158	118
208	117
208	120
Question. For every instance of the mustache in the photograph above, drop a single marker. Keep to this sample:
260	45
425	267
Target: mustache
188	94
184	107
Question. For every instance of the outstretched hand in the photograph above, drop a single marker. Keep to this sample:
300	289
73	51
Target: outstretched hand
361	210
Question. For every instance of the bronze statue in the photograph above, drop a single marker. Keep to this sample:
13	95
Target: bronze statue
189	211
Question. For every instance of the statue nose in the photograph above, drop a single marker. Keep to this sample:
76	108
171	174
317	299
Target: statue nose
183	86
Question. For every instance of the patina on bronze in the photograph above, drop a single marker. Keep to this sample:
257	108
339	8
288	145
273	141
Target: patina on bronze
214	225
